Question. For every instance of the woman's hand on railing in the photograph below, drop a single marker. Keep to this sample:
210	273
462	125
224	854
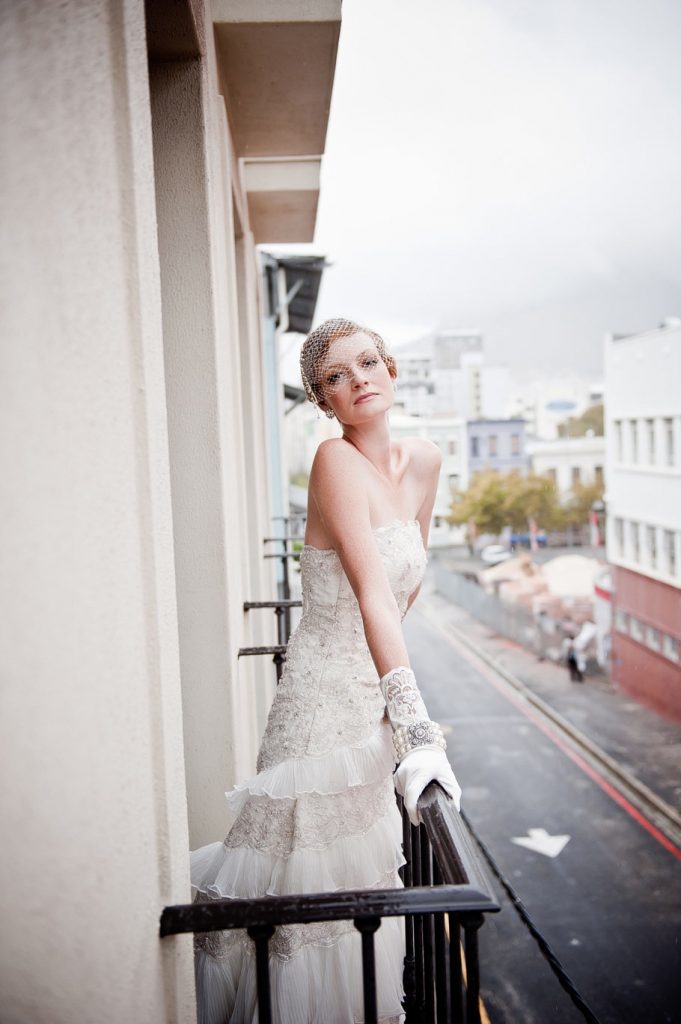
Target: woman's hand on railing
416	770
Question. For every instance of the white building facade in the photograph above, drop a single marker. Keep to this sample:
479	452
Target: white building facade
643	500
569	461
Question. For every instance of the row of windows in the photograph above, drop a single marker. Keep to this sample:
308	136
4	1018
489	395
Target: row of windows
647	545
642	633
576	477
492	446
649	441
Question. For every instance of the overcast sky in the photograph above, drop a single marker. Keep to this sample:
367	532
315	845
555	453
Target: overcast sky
512	165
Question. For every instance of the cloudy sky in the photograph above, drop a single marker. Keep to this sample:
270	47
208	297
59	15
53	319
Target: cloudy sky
513	165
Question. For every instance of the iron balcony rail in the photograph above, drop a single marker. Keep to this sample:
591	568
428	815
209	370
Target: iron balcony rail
282	610
446	890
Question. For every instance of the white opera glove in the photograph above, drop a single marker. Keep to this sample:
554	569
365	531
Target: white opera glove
419	742
416	770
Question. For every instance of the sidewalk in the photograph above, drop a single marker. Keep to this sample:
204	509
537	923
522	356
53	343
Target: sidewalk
642	742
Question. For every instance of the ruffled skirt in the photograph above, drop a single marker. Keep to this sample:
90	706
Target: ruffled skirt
310	824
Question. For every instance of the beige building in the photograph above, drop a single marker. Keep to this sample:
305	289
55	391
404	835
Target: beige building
141	166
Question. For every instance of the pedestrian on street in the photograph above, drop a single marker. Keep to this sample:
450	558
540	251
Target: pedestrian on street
572	660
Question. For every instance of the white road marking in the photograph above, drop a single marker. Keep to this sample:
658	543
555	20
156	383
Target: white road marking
539	840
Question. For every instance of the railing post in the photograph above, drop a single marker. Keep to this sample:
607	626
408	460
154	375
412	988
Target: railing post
368	926
428	938
455	973
471	924
420	993
261	935
406	871
441	951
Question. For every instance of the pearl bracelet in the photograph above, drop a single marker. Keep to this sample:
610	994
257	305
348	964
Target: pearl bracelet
418	734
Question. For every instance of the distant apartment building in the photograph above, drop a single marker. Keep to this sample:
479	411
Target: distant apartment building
545	403
445	374
497	444
569	461
643	500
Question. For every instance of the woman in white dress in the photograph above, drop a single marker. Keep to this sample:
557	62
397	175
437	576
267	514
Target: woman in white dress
320	815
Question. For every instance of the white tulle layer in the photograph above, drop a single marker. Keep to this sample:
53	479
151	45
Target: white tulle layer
332	772
351	862
319	986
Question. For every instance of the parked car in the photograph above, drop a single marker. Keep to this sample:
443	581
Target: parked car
492	554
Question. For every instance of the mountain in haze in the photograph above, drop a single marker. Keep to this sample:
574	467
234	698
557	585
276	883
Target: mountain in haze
566	333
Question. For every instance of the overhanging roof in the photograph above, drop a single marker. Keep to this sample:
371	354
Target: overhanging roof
276	62
303	277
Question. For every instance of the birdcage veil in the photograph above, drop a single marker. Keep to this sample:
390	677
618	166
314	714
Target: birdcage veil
316	357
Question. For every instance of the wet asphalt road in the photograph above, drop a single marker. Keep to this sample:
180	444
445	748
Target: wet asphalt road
609	904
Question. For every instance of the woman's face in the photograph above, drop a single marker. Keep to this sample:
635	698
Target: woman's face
354	381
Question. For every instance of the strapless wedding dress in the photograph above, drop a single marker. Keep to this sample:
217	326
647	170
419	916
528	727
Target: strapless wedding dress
320	815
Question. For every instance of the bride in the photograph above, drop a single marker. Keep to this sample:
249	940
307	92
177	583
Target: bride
320	815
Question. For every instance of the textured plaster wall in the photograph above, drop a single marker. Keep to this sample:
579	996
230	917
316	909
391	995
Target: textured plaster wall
215	414
93	800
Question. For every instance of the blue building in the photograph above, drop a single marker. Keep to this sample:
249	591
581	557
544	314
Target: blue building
497	444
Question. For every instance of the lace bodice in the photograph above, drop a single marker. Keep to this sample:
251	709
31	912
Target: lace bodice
329	695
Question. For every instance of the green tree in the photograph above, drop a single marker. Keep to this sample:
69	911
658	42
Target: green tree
495	500
577	509
482	503
531	497
578	426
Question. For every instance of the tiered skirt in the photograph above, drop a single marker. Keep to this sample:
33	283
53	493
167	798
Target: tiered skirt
306	825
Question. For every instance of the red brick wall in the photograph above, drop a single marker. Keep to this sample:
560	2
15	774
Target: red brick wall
646	674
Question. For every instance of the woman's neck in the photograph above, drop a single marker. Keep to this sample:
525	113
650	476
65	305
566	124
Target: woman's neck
372	439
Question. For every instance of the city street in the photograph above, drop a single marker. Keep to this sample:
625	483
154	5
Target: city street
600	882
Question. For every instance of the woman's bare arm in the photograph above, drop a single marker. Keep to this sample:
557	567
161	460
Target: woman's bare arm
344	509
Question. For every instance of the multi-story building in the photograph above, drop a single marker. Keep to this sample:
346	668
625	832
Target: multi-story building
569	461
547	402
445	374
496	444
643	500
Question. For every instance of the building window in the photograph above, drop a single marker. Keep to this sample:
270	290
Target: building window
598	475
670	454
619	537
636	629
670	648
650	433
670	551
552	474
451	446
621	621
635	542
475	447
576	476
651	541
653	638
515	444
492	445
633	434
618	440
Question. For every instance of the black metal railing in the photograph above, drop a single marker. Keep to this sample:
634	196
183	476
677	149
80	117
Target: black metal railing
446	892
278	650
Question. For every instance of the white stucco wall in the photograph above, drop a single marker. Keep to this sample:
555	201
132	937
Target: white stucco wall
93	803
563	455
643	375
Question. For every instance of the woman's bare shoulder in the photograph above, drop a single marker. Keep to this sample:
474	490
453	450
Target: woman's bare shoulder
425	456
